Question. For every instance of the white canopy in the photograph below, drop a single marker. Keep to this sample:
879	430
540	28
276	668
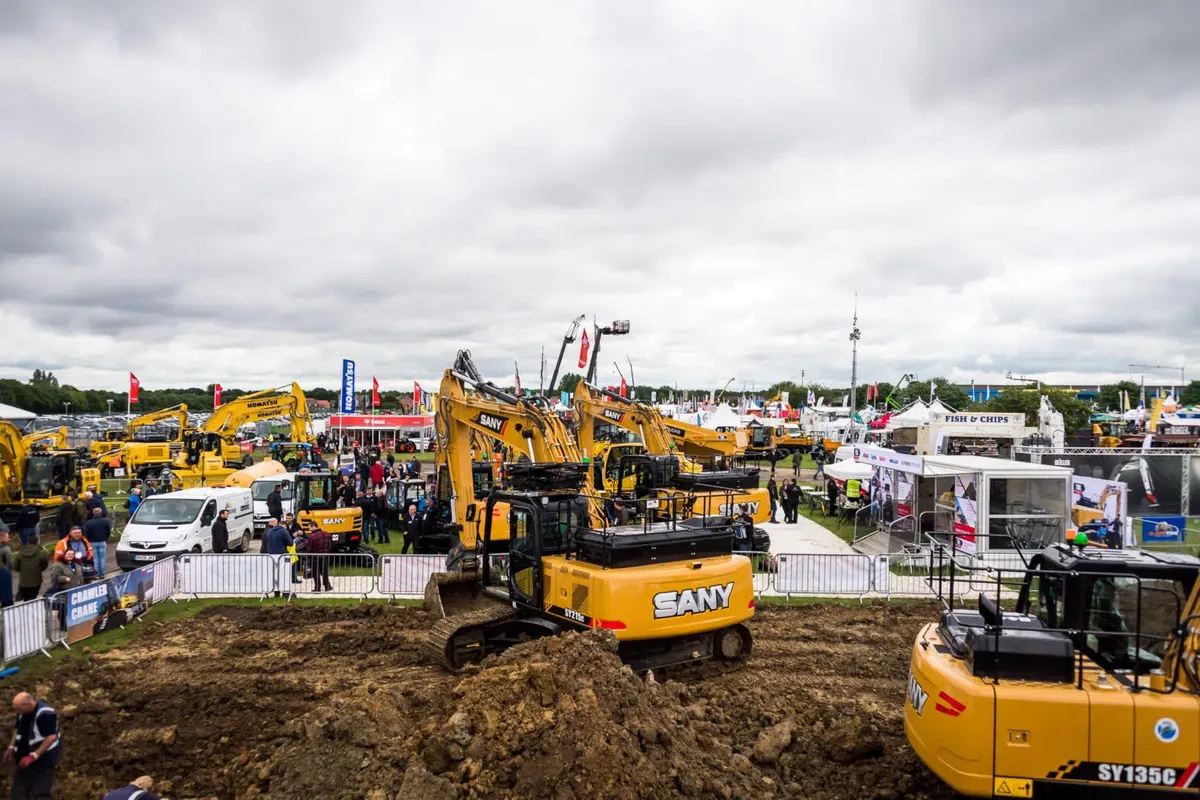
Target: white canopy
846	470
13	413
915	414
938	407
723	417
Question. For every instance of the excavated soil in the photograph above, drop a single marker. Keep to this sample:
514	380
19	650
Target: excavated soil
286	702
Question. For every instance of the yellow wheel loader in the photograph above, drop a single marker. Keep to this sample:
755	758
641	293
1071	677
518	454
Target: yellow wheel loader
672	593
1088	687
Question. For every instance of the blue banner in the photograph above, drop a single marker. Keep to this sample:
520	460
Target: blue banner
108	604
347	386
1163	529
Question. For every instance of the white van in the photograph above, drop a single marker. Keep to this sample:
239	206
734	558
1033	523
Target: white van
263	487
181	522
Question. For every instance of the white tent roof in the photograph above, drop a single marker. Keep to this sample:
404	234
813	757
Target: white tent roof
12	412
915	414
938	407
723	417
846	470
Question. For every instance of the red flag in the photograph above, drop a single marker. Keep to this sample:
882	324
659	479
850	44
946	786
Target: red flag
583	351
134	383
624	388
416	396
374	392
216	396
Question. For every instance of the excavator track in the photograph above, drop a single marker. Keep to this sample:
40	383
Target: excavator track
468	628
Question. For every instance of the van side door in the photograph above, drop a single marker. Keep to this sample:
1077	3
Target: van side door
204	535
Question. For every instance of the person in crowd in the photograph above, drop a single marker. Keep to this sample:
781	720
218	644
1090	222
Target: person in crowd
347	491
30	562
391	462
292	525
138	789
97	531
135	499
610	510
220	532
150	491
6	568
82	513
275	502
377	473
414	468
276	541
743	528
367	507
819	457
28	519
65	517
96	500
773	495
380	507
787	501
65	574
34	748
831	491
411	523
319	544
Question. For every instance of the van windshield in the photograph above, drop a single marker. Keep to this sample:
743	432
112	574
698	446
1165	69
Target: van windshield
166	511
260	489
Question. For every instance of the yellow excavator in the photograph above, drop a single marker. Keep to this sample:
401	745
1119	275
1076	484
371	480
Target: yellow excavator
697	442
210	453
617	435
49	439
42	477
1088	687
536	559
120	449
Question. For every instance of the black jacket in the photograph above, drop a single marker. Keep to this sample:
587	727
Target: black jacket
773	490
412	525
28	517
275	505
220	536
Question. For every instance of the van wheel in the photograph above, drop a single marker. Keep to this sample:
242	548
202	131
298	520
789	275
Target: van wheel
197	550
245	543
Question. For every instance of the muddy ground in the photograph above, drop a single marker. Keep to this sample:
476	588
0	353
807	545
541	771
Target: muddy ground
286	702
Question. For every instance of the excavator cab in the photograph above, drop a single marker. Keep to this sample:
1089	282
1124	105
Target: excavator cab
316	507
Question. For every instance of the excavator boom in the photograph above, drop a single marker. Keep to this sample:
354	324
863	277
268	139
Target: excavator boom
49	439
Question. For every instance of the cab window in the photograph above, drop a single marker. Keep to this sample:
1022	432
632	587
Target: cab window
1116	606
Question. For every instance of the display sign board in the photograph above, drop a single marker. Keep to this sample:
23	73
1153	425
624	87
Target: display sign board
888	459
944	418
1163	529
382	421
109	604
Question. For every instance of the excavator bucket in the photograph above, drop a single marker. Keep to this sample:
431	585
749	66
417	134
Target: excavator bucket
450	594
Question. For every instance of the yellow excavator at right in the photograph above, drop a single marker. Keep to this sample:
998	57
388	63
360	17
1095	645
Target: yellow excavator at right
1084	684
535	556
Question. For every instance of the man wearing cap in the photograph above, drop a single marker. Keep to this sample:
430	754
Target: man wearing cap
34	747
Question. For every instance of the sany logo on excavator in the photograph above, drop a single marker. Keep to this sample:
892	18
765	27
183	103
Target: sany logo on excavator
729	509
692	601
491	422
916	695
615	416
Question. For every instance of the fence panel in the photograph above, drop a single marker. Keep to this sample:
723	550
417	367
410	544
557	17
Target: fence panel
26	629
164	580
824	574
406	576
226	574
905	574
326	574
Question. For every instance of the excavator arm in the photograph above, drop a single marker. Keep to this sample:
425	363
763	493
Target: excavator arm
51	439
287	402
178	413
12	464
643	421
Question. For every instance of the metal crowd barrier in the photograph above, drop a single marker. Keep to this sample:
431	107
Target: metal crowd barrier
38	625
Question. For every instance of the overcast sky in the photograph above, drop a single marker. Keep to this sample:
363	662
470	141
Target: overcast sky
246	193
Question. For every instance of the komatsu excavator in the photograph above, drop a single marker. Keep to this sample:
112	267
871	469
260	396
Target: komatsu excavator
41	477
539	559
1089	687
210	453
121	449
615	460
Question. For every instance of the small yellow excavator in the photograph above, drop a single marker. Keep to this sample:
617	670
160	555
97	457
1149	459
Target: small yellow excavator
534	556
42	477
49	439
1087	687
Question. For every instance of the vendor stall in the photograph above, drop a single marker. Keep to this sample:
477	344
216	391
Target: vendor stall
403	433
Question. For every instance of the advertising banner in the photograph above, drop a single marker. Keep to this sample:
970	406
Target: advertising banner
889	459
965	513
1163	529
904	494
1154	482
1095	500
109	604
347	386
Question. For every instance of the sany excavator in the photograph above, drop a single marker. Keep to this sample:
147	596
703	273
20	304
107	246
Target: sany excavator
617	465
210	453
120	449
697	442
41	477
49	439
1088	687
540	560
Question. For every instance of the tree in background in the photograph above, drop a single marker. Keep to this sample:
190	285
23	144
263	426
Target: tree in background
1190	394
568	381
1109	397
1075	412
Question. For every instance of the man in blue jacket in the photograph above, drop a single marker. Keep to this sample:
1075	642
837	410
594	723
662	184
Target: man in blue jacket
276	541
98	530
